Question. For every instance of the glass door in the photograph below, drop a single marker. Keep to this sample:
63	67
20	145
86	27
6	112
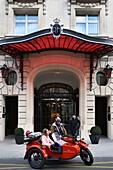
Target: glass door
51	103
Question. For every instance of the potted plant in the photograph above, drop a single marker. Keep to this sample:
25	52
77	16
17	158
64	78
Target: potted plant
95	134
19	135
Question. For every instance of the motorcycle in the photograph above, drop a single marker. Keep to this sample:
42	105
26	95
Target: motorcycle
64	148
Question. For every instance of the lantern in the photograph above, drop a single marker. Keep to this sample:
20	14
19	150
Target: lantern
4	70
107	71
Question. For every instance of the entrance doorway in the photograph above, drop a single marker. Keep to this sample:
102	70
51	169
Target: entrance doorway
11	121
52	100
101	113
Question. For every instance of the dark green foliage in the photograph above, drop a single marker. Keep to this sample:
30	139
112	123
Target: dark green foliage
95	130
19	132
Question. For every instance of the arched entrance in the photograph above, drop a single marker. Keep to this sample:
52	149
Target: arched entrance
55	73
52	100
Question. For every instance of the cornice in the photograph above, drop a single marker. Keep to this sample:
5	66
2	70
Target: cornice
88	1
88	5
23	4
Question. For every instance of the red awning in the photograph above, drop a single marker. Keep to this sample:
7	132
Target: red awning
44	41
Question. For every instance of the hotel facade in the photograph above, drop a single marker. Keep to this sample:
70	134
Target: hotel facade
54	58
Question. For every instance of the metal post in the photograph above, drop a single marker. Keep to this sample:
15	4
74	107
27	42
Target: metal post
21	70
91	69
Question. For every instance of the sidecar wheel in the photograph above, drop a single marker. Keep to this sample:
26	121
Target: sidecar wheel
86	156
36	159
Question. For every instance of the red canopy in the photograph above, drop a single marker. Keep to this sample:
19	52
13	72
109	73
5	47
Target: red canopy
43	41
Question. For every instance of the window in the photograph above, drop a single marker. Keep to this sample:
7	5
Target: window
12	78
101	79
25	24
87	24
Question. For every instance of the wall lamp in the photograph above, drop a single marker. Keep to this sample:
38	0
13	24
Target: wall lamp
107	71
4	70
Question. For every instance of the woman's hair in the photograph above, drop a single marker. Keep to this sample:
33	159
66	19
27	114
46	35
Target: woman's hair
44	131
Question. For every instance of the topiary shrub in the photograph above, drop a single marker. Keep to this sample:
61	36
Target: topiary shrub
19	132
95	134
95	130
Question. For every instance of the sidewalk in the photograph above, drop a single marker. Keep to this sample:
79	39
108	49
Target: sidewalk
9	149
103	149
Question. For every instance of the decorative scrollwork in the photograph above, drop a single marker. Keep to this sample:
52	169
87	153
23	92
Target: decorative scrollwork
25	5
88	5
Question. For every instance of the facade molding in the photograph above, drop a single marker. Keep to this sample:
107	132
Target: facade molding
6	7
50	66
21	4
29	1
69	8
44	8
88	1
88	5
91	4
25	5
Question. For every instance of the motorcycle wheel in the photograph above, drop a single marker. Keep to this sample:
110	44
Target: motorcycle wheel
86	156
36	159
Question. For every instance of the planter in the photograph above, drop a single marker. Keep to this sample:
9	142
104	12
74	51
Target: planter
94	139
19	139
19	135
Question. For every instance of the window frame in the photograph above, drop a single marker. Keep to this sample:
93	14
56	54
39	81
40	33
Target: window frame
99	76
26	21
11	75
87	22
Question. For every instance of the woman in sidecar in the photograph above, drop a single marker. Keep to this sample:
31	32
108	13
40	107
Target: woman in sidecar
46	141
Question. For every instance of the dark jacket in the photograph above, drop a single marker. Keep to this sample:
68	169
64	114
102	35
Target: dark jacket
74	126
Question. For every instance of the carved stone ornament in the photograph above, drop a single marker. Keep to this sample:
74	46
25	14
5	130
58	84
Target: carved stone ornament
44	8
69	8
106	8
56	28
25	5
88	5
6	7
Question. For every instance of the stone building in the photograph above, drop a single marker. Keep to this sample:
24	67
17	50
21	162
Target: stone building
49	69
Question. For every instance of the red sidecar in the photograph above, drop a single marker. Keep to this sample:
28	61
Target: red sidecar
66	148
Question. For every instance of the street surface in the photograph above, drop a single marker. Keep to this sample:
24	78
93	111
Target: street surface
12	157
21	164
